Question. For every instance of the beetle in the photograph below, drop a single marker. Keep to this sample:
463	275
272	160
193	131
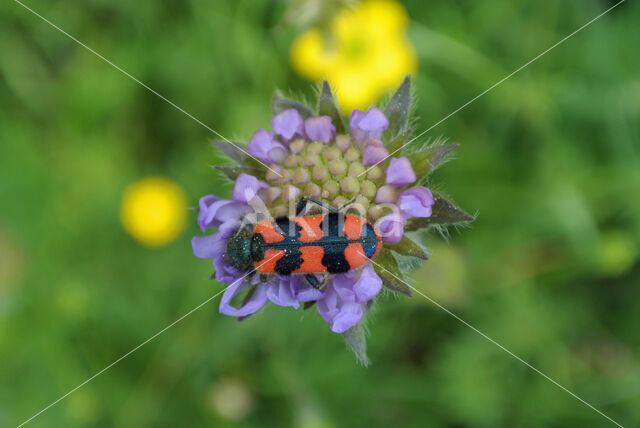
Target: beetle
328	243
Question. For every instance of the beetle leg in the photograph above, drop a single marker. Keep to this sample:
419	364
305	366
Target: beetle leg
303	204
313	281
349	202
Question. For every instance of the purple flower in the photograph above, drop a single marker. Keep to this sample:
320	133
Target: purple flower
306	157
416	202
255	302
246	188
303	291
213	210
266	148
368	126
225	215
391	227
288	124
279	291
374	153
399	172
214	246
341	305
358	286
319	128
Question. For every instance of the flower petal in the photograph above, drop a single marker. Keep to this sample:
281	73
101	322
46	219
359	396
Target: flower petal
288	124
319	128
399	172
214	245
304	292
341	313
219	211
203	210
263	144
204	246
225	272
279	292
257	300
328	305
343	285
374	152
416	202
347	317
391	227
365	127
368	285
246	188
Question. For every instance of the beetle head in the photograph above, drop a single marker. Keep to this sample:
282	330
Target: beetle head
239	249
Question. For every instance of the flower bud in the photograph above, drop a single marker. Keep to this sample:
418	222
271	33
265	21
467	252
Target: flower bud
375	173
320	172
374	153
386	194
331	153
315	147
285	176
350	185
342	142
290	193
297	145
377	211
300	175
273	173
355	169
338	202
279	211
291	161
361	204
330	189
312	190
337	167
391	227
368	189
308	159
272	193
352	154
277	154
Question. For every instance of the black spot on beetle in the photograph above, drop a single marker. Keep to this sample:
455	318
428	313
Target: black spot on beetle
334	244
292	259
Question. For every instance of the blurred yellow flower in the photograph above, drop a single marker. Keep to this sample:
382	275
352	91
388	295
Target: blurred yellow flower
365	55
153	211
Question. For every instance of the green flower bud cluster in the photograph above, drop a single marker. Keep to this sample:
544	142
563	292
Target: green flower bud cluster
331	172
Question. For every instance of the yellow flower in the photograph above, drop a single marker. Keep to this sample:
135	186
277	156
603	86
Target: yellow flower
153	211
365	55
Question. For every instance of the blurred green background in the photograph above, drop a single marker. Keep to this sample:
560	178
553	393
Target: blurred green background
550	160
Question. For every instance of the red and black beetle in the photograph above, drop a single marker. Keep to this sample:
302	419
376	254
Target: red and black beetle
328	243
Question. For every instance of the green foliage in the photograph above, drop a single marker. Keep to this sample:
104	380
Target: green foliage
442	212
327	107
386	266
549	269
398	109
408	247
